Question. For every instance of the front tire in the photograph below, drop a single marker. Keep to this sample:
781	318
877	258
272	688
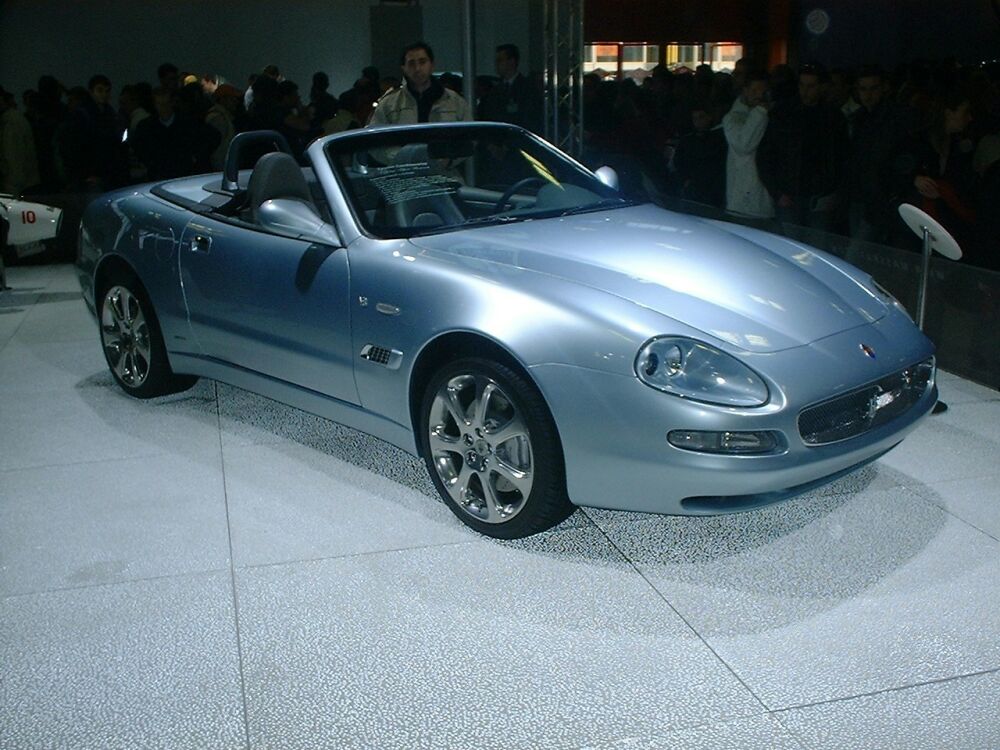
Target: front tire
492	449
132	341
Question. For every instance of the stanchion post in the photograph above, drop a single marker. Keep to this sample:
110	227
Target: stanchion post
4	227
924	276
935	237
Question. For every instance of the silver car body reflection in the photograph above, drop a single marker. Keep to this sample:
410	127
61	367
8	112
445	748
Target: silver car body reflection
573	299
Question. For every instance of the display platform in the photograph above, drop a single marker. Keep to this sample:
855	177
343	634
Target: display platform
214	569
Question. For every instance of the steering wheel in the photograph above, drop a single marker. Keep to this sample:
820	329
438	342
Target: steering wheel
509	192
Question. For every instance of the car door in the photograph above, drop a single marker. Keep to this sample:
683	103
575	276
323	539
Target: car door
270	304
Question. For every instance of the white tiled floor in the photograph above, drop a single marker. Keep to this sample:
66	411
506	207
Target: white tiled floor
214	570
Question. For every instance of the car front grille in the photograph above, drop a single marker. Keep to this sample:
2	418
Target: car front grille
866	408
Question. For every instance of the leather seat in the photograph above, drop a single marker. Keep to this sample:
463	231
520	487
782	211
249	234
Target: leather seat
428	211
277	175
432	210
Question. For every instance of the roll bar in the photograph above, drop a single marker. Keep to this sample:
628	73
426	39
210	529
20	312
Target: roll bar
231	169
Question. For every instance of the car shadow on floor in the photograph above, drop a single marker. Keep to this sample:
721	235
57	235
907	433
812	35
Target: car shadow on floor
771	567
830	544
854	529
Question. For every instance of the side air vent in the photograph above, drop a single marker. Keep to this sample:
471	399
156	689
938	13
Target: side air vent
379	355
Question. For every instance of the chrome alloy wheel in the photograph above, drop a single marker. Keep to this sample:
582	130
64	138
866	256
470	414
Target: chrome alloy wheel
125	336
481	448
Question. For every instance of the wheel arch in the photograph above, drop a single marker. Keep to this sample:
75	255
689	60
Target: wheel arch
454	345
114	265
548	498
112	269
106	268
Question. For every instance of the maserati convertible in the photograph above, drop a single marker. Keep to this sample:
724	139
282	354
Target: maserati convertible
474	296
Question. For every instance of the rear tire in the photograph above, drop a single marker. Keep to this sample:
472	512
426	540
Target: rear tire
492	449
132	342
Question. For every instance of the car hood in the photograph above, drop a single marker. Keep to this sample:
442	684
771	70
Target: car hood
763	295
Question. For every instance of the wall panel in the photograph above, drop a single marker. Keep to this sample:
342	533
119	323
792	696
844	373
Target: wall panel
127	39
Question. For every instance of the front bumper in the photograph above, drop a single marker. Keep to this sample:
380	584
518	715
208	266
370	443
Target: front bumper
614	430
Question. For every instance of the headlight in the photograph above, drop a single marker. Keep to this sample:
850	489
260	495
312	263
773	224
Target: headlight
693	369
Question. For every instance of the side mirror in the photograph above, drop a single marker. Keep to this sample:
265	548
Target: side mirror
608	176
295	219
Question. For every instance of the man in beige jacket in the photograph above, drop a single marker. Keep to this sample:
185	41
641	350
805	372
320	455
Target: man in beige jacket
421	98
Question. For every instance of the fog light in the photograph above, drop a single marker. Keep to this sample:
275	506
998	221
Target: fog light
736	443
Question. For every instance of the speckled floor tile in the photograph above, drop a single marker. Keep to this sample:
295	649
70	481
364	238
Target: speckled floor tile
548	642
64	318
453	640
962	442
959	714
63	279
26	284
10	319
737	734
108	521
149	664
975	500
40	274
874	476
19	298
50	366
248	419
302	487
25	281
385	460
978	418
954	389
824	598
290	502
95	421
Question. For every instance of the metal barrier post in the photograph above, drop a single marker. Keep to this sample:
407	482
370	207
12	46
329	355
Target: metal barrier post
925	272
563	40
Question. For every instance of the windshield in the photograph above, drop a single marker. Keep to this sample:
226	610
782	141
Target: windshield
403	183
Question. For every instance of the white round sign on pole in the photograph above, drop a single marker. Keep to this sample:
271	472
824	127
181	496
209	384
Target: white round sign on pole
940	238
818	21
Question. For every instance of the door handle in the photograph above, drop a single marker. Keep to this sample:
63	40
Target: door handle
200	243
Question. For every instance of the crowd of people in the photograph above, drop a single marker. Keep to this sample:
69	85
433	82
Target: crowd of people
837	150
77	139
65	145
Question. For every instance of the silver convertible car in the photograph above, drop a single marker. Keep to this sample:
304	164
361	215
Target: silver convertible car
474	296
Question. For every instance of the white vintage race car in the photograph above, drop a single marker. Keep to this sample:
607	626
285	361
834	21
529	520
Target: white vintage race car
30	223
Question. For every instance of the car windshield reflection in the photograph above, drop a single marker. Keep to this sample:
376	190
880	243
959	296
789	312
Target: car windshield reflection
438	179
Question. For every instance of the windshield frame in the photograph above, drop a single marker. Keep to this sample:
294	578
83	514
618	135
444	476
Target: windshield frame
400	135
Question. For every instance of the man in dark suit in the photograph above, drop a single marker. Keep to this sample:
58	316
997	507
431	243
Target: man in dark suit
171	143
513	99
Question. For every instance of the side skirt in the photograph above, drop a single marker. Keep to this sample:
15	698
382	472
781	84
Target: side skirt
342	412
